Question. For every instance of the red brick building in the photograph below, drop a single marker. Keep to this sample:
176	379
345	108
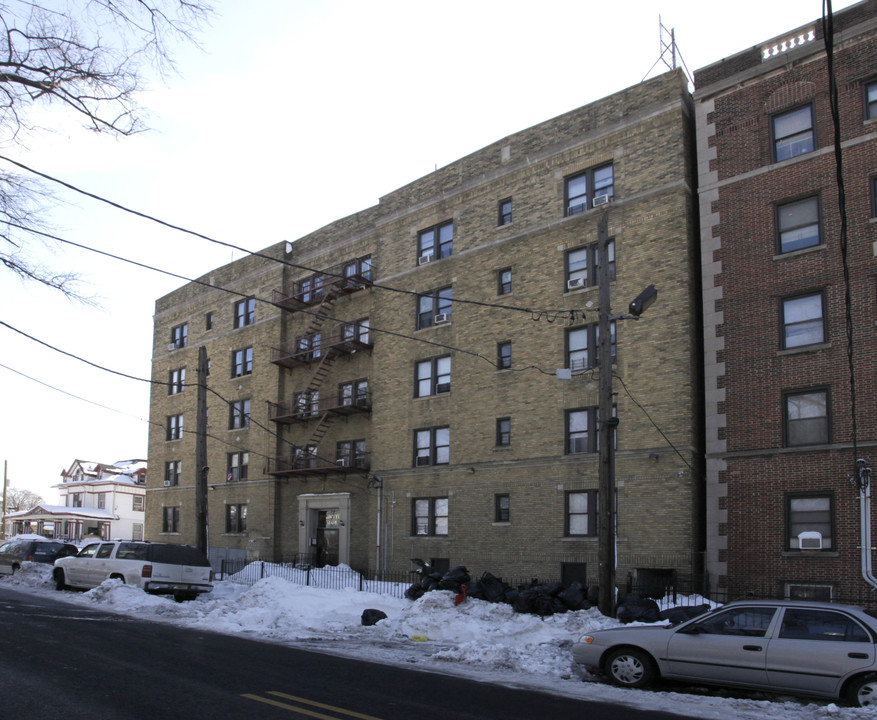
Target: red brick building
783	515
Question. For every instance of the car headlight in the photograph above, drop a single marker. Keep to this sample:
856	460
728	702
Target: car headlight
587	639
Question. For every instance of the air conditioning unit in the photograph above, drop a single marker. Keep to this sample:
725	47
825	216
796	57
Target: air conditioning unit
342	462
167	483
172	346
601	200
441	318
443	388
423	259
810	540
422	460
575	283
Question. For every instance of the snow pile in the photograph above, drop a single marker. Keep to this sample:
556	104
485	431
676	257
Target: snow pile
477	639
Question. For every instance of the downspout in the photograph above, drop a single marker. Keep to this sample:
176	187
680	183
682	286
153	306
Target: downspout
863	482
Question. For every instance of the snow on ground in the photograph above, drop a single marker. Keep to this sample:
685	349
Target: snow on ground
476	639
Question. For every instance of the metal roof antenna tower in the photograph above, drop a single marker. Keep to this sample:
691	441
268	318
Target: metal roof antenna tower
668	47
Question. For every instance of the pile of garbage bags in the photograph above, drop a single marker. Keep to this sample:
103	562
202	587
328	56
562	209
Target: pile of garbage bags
543	599
534	598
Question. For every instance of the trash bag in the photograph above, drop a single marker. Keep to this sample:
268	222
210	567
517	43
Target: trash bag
493	588
525	600
371	616
431	581
636	608
574	598
415	592
475	590
454	578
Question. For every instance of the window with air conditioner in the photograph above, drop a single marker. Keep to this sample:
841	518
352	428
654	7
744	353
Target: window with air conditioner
581	265
809	521
590	188
432	305
435	242
432	376
582	346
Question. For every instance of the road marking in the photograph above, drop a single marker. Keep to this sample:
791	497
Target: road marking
305	701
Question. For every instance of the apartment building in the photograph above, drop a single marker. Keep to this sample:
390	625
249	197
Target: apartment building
420	380
788	266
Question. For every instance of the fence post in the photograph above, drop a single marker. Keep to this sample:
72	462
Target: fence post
308	577
261	570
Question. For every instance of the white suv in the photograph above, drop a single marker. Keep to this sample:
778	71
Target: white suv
161	568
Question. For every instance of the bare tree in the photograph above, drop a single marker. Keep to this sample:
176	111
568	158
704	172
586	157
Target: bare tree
89	57
19	499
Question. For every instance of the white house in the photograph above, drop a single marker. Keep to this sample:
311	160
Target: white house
98	500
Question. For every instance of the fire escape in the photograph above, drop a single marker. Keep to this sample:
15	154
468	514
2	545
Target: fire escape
317	351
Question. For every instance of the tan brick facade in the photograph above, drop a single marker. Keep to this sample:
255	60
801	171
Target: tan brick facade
645	132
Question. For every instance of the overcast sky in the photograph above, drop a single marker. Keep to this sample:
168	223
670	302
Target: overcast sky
293	114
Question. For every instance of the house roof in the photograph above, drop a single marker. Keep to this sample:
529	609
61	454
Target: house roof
61	512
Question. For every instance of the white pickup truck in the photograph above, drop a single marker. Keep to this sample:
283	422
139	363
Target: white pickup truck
160	568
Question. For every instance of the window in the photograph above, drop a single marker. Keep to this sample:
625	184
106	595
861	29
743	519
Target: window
137	503
239	414
503	432
581	513
236	518
351	453
505	212
806	418
174	427
76	500
172	472
798	225
504	281
583	430
432	446
433	308
430	516
238	464
435	242
809	514
179	336
803	320
307	403
102	501
242	362
588	189
208	321
871	100
354	392
793	133
825	625
820	593
361	267
433	376
504	355
358	331
582	346
581	265
170	519
501	508
176	381
244	312
748	621
309	347
311	289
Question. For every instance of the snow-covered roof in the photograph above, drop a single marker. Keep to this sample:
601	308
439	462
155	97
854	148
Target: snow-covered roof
53	512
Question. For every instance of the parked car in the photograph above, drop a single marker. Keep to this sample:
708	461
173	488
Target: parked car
800	648
160	568
16	551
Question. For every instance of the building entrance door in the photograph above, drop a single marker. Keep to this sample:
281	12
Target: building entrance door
328	523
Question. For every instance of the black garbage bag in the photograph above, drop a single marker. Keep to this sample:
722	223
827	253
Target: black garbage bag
680	614
454	578
636	608
431	581
509	595
493	588
475	590
525	602
371	616
574	598
415	592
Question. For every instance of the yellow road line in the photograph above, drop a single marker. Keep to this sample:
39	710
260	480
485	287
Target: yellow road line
305	701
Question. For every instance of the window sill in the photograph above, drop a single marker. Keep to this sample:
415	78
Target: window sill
506	523
804	349
501	448
429	537
811	554
802	251
577	538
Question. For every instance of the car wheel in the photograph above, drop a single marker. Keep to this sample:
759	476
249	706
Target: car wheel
15	569
184	596
116	576
58	577
630	667
862	691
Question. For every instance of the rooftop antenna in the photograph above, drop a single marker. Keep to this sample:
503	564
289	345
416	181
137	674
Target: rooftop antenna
670	52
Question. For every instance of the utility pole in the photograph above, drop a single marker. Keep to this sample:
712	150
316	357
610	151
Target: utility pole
606	433
3	515
201	468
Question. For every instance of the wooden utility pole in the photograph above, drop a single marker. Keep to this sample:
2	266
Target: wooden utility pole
201	468
3	515
606	434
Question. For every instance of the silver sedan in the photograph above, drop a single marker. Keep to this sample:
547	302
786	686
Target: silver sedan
800	648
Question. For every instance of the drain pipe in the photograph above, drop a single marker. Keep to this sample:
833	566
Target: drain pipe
863	482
